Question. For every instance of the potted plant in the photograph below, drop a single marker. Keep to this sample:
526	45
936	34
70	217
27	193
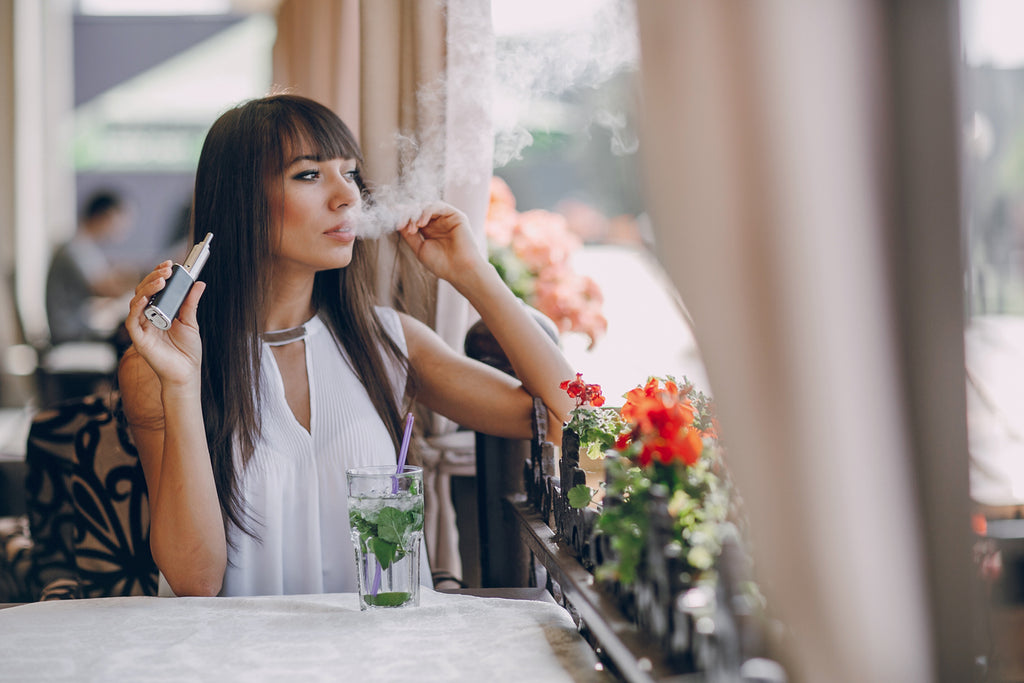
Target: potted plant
668	510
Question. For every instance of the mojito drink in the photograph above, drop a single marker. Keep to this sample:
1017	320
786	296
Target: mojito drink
386	520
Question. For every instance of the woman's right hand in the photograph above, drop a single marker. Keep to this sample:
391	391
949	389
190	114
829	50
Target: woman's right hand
174	354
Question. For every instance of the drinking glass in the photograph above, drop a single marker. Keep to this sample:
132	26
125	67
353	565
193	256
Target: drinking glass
385	512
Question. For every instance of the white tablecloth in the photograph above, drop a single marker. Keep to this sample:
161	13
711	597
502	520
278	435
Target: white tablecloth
297	638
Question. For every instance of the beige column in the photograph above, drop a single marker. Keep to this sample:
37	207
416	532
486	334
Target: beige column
801	169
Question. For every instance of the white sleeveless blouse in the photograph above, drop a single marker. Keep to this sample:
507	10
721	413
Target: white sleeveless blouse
294	485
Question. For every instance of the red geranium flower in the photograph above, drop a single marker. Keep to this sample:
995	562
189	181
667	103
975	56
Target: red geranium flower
581	391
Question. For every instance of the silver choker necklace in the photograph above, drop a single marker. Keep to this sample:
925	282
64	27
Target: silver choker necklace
282	337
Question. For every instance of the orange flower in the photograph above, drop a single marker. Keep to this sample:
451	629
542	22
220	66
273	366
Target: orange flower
542	243
571	300
502	218
691	447
583	220
542	239
502	200
663	424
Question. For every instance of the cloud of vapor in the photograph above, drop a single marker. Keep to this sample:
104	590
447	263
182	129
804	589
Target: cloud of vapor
420	182
512	84
533	70
452	145
624	139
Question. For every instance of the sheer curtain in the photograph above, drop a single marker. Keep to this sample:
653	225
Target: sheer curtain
397	70
37	207
8	317
801	163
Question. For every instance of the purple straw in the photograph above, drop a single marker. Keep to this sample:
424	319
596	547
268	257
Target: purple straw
402	453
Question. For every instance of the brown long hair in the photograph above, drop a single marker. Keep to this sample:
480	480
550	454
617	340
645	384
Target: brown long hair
243	153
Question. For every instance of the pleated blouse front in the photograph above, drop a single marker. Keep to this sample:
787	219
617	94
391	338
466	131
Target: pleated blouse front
295	486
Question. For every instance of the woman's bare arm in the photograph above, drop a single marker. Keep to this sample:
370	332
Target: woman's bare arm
165	417
441	239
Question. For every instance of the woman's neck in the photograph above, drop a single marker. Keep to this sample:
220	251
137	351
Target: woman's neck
289	304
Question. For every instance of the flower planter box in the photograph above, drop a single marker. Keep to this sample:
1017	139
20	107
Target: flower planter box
665	622
659	627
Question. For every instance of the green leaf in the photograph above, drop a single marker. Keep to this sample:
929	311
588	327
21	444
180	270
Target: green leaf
362	526
384	551
392	524
580	495
595	450
416	519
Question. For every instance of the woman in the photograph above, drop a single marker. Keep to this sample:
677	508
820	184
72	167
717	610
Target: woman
248	410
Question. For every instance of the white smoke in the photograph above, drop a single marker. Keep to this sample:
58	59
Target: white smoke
512	87
624	139
592	42
419	183
454	147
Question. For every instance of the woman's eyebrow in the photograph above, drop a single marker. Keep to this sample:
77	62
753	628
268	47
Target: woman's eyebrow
305	157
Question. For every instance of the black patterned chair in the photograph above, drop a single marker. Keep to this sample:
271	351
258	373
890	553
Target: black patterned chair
15	559
87	504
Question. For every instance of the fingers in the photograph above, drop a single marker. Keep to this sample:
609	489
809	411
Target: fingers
438	216
160	273
440	211
150	285
409	228
133	322
429	213
187	313
414	240
153	283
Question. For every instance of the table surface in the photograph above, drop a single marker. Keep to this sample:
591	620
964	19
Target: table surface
449	637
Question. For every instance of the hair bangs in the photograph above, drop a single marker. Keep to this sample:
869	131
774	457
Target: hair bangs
316	131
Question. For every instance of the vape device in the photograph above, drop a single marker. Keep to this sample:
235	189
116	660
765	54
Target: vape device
164	305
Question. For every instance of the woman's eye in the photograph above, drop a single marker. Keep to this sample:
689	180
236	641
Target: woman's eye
352	175
312	174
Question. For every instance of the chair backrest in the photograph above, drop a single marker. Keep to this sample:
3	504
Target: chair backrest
87	503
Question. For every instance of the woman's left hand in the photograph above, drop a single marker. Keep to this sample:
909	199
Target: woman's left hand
442	240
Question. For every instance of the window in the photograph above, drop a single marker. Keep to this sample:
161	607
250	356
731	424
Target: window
567	147
150	79
993	159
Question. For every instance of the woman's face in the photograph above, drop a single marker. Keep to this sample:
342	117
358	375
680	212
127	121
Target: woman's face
318	203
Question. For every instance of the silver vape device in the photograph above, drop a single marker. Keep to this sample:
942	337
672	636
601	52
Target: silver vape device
164	305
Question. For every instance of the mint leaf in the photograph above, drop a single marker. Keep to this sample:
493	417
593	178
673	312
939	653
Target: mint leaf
580	495
384	551
396	599
416	519
362	526
392	524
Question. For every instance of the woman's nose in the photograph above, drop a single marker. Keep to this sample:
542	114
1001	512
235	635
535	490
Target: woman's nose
346	192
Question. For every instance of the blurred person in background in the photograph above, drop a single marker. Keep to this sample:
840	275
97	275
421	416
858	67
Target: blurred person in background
80	272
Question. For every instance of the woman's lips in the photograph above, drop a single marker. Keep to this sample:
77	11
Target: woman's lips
342	233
